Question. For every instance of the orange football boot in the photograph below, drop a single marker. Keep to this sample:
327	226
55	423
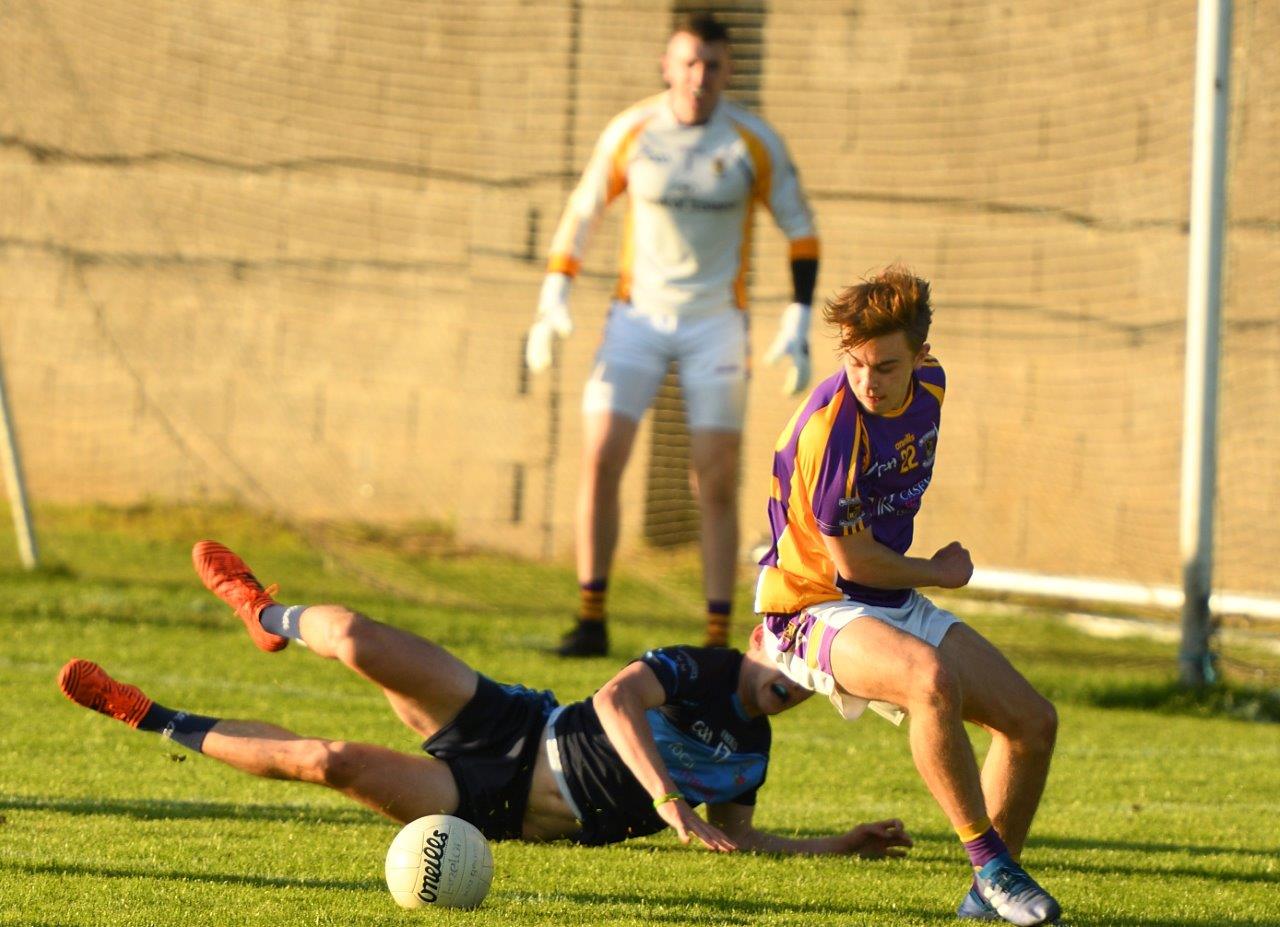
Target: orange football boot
228	577
86	683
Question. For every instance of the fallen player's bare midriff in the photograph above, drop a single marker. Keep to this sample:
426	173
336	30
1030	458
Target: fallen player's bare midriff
546	817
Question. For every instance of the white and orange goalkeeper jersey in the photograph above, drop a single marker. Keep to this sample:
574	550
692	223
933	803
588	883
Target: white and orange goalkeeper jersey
692	192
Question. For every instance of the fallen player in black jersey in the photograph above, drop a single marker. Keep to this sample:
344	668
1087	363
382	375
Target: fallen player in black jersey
680	726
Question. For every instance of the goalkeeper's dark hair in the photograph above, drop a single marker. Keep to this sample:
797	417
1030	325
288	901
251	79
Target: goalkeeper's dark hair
894	300
704	25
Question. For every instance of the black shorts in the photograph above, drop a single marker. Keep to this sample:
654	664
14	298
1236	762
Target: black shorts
491	748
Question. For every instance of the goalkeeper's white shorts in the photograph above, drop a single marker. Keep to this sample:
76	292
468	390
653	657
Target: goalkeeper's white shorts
712	357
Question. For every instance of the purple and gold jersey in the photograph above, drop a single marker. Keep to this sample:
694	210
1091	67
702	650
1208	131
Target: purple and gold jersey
838	469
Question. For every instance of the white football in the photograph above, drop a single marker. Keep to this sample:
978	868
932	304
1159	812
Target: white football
439	860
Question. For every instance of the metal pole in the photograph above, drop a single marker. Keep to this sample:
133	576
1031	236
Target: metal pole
12	463
1204	292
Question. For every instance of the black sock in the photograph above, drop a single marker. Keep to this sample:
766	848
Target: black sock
178	726
282	620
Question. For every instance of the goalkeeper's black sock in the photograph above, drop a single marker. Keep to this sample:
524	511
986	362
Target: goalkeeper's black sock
283	620
178	726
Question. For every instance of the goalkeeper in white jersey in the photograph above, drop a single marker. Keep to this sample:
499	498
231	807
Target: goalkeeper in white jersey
693	166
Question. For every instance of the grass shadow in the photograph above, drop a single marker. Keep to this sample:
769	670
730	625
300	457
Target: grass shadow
1182	872
1140	847
1245	703
160	809
221	878
721	910
725	910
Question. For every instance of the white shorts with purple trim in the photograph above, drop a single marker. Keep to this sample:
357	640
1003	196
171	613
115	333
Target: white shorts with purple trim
800	645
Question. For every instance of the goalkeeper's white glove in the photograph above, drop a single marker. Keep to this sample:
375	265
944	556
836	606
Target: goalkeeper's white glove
792	340
552	321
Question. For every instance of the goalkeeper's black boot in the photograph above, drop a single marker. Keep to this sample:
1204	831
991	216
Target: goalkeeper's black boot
587	639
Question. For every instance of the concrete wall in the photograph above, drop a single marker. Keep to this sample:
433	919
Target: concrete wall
286	254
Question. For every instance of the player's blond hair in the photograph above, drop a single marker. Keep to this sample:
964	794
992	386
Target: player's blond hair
894	300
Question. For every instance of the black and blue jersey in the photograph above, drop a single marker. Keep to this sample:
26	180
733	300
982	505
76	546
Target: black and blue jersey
712	750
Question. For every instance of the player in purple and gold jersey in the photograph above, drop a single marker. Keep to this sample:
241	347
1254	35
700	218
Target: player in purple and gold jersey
693	167
838	590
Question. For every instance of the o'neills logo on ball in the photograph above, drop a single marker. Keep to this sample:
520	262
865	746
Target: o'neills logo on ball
432	854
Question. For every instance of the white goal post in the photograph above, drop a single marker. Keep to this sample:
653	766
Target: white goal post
11	460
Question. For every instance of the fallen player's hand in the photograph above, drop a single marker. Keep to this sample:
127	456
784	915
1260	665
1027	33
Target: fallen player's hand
553	320
687	825
878	840
952	565
792	340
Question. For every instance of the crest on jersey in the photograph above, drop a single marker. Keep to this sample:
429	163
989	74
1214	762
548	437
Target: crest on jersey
852	506
929	446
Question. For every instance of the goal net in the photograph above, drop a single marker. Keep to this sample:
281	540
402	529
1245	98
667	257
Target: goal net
285	255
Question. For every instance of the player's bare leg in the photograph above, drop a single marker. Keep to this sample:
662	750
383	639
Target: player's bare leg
401	786
398	785
872	660
1023	727
426	685
607	439
714	456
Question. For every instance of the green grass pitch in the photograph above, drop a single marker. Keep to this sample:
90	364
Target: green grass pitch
1150	818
